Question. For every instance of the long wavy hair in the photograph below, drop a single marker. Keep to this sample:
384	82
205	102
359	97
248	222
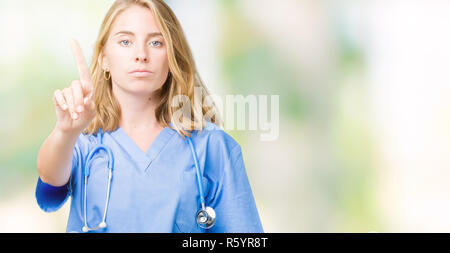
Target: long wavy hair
183	80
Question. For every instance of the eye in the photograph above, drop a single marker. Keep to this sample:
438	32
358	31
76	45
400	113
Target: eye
156	43
125	42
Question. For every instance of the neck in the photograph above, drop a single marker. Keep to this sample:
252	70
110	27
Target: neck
137	112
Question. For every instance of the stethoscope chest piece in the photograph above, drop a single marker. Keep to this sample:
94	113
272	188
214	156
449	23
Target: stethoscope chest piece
206	218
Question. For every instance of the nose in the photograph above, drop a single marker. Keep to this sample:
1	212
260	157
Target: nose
142	55
141	58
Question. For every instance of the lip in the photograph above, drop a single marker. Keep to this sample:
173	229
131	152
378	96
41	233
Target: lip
141	73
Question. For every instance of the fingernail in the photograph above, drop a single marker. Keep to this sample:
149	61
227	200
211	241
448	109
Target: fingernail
75	115
80	108
64	106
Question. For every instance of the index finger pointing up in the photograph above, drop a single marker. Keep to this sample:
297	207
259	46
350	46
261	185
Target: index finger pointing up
83	70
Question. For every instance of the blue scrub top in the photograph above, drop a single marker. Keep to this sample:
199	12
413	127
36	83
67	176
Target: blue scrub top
156	191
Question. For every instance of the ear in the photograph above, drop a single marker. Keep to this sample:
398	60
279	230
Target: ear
103	61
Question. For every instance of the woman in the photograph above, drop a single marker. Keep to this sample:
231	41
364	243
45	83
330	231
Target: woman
128	101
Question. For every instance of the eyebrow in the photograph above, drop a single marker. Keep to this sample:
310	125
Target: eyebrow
149	35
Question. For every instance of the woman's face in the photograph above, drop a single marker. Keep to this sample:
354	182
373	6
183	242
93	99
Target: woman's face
135	52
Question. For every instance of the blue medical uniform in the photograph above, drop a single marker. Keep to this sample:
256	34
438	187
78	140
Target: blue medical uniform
156	190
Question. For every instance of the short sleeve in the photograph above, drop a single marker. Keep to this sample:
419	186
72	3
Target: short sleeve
51	198
232	199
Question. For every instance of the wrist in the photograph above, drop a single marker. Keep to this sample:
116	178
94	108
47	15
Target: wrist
66	135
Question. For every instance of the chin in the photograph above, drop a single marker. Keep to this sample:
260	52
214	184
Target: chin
140	87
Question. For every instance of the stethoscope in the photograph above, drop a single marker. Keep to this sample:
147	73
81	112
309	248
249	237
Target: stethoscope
206	216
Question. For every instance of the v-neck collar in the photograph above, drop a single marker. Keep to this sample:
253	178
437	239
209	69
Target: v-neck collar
143	159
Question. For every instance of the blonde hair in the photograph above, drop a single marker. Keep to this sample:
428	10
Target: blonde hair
182	79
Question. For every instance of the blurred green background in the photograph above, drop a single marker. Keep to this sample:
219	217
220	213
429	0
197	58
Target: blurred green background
364	104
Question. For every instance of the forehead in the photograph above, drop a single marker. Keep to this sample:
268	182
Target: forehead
137	19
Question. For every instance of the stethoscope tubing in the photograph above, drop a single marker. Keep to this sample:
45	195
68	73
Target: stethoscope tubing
100	146
198	172
86	228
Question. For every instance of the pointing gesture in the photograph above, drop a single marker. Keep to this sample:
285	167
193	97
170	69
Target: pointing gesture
74	105
83	70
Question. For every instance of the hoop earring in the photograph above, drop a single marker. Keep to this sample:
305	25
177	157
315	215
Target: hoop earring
105	74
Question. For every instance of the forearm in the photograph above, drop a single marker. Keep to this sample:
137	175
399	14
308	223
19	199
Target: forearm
54	160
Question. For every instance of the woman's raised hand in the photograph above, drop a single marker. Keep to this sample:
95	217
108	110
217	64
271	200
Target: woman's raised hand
75	107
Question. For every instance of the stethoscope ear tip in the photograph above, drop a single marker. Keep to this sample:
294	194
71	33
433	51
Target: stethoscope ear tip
102	225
